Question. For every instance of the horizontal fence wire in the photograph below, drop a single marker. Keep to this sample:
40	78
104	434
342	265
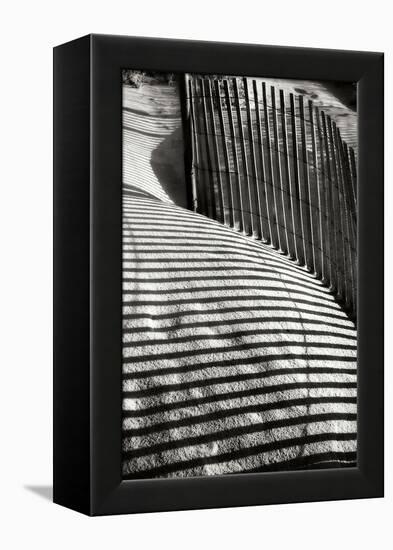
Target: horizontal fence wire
274	166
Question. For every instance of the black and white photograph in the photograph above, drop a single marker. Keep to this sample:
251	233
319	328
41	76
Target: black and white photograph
193	280
239	248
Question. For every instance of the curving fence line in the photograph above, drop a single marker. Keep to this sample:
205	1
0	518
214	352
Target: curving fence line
275	167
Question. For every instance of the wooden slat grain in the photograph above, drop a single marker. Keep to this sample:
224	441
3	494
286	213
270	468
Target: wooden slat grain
351	229
329	208
254	170
315	197
336	209
324	221
207	90
239	214
272	191
201	202
345	243
251	220
288	198
229	192
295	192
305	191
208	151
291	184
266	215
350	173
188	141
352	162
351	270
349	187
281	211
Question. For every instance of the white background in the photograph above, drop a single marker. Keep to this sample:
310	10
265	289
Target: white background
29	30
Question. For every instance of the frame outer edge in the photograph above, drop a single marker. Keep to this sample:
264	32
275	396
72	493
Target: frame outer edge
109	494
71	316
371	275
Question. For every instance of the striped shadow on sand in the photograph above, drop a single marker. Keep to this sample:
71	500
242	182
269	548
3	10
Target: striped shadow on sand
235	359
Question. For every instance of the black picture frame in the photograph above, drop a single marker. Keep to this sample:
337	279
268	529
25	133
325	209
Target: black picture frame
87	275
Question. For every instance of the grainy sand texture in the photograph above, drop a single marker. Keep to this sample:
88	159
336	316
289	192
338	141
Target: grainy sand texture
235	359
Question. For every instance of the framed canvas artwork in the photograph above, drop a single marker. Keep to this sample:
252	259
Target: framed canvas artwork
218	274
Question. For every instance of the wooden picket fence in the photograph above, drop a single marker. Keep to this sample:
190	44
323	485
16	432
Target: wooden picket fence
274	166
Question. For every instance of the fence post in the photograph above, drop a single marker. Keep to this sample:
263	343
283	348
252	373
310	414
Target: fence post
304	186
336	209
239	221
191	191
281	211
207	92
286	176
229	190
346	260
316	213
295	186
253	163
351	224
248	229
329	210
271	196
292	184
210	178
202	203
352	162
264	211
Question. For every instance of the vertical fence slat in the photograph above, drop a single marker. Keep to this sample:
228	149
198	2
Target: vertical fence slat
329	208
287	195
201	188
238	202
348	233
207	90
295	190
305	191
315	195
254	170
352	228
251	226
194	146
345	244
229	189
281	214
352	162
263	205
185	103
348	188
348	174
323	203
336	210
349	177
292	185
272	203
275	172
212	194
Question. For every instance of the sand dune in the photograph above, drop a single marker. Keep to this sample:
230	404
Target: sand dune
234	358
